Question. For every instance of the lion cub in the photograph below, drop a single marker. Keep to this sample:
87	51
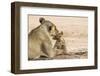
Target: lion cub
60	45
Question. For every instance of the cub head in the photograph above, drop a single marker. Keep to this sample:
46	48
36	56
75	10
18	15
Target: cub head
58	36
51	28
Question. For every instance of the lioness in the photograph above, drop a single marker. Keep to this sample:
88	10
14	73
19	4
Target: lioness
39	42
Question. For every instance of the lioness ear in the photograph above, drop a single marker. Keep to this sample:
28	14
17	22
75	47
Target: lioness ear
41	20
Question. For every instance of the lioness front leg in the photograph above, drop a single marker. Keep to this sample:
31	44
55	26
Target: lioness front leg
48	50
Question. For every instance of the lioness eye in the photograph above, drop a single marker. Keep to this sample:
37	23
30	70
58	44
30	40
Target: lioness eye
49	28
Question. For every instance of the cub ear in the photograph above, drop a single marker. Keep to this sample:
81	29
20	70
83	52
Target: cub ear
61	32
41	20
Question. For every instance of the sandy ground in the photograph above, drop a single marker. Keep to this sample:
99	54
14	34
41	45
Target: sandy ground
75	31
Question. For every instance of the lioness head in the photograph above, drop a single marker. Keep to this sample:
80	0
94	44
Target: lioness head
51	28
